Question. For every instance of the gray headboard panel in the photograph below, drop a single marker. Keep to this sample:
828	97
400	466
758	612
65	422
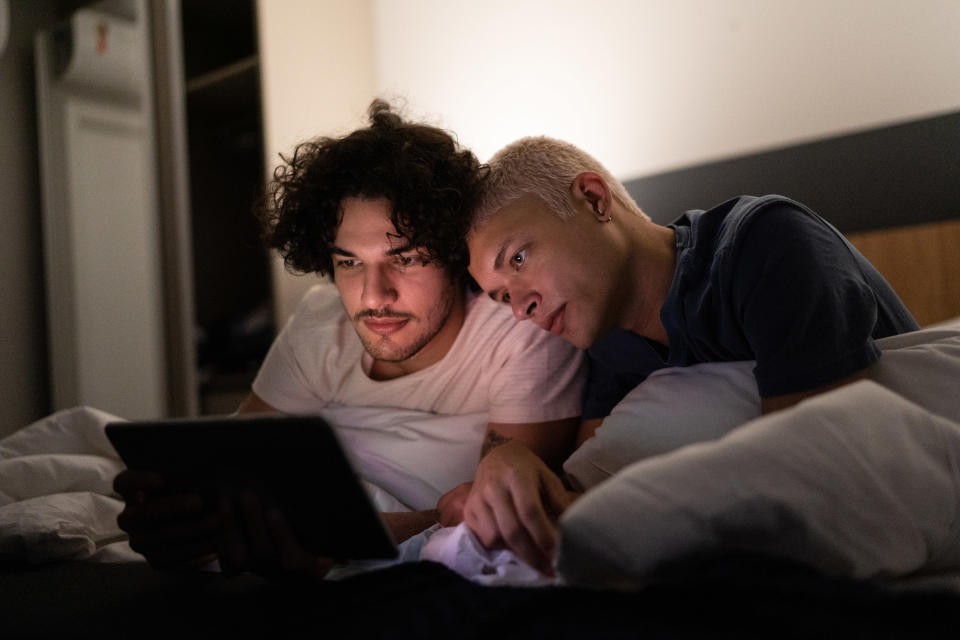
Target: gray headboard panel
886	177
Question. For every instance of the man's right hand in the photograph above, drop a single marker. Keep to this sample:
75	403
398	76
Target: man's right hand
514	503
171	531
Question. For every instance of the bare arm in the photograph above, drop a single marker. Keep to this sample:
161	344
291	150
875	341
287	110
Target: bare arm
406	524
551	441
588	427
255	404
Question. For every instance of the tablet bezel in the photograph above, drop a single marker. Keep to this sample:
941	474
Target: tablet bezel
294	462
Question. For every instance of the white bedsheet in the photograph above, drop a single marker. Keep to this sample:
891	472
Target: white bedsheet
56	495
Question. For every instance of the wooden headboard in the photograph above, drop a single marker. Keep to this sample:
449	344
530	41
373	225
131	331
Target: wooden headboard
893	191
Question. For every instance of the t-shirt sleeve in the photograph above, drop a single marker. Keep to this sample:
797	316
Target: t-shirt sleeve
618	362
804	305
287	380
604	390
541	378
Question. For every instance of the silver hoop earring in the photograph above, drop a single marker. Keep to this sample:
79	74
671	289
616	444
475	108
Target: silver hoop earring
600	215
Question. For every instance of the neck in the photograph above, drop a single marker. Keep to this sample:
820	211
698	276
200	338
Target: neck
654	259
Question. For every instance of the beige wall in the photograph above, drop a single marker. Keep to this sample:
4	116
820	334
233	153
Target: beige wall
317	75
644	85
649	85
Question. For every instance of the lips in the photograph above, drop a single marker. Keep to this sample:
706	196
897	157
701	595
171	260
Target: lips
554	322
385	326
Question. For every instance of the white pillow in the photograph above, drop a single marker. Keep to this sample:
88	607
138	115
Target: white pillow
673	407
857	482
678	406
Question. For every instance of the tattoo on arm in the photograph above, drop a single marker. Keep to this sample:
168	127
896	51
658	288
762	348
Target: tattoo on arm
492	441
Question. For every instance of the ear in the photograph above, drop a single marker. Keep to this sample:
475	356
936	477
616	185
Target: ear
592	191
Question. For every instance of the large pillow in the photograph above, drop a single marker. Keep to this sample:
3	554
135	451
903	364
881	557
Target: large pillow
858	482
675	407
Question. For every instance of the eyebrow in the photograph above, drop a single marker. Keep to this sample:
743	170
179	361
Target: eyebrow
392	252
401	249
498	261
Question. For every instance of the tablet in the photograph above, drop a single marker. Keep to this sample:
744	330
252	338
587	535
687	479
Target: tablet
293	462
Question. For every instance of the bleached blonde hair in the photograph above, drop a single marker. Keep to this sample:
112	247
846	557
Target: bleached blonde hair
545	168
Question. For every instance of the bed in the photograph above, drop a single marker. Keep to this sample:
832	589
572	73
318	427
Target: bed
787	552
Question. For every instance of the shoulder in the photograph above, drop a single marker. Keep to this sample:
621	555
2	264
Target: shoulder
492	326
726	225
774	218
482	311
751	231
497	319
319	311
320	299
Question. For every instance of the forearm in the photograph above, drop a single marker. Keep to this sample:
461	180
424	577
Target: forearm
551	441
406	524
588	428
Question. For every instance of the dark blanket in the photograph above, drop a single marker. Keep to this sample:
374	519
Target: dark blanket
742	597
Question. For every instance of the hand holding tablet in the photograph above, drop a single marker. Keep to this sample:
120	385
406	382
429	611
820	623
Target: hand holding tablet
272	491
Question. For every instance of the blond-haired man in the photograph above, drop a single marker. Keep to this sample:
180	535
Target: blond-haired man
561	241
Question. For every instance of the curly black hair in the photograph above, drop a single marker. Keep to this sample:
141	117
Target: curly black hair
432	184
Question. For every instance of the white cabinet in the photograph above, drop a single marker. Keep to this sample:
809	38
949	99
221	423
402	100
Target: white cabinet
158	288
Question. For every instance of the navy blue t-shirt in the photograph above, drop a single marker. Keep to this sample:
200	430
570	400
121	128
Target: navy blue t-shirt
762	279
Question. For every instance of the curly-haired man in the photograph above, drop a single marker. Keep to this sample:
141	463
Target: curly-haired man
401	327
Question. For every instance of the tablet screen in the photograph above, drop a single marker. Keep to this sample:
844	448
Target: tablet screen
293	462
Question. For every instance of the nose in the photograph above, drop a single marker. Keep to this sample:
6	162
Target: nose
524	304
378	288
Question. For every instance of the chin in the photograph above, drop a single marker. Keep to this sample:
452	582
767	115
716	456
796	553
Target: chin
576	339
582	339
580	344
382	348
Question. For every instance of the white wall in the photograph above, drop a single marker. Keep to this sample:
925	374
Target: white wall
317	78
644	85
648	85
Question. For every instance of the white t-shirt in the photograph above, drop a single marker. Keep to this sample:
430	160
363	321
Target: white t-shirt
514	370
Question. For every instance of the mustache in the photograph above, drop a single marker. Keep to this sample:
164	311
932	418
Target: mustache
382	313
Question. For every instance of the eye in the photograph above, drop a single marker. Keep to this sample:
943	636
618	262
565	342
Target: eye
404	261
519	258
345	263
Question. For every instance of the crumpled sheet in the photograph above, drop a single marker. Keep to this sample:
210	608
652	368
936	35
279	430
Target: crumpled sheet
458	548
56	491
